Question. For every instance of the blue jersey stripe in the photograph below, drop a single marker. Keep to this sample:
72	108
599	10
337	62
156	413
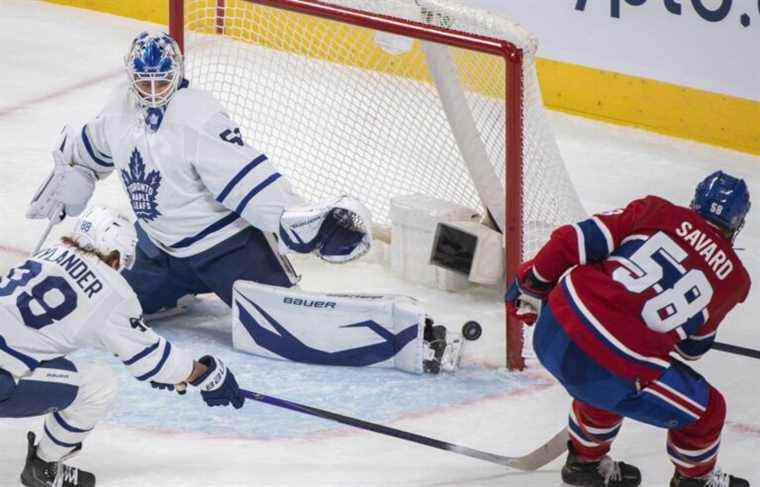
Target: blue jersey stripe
256	190
239	176
214	227
594	240
67	426
693	459
595	437
30	362
157	368
57	441
577	430
142	354
91	152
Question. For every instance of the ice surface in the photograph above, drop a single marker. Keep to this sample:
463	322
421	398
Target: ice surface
58	65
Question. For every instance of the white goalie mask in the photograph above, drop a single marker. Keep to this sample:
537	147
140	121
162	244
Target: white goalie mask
104	230
155	69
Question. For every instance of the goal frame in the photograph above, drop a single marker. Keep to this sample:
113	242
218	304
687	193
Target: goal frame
513	57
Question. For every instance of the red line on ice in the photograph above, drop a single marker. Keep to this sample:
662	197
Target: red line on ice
12	250
745	428
59	93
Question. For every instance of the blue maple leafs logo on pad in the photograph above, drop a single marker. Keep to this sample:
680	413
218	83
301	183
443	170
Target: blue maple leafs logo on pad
142	189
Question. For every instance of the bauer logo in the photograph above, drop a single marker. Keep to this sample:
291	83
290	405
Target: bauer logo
142	188
311	303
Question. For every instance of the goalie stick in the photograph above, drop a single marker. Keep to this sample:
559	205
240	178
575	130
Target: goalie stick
43	237
532	461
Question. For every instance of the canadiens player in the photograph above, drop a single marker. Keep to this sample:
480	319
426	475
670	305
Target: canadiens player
614	298
208	206
71	296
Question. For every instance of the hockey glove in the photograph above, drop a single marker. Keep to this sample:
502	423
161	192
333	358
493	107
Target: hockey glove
218	386
527	294
337	231
65	192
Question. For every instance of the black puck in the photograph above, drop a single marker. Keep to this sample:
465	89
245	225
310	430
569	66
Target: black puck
472	330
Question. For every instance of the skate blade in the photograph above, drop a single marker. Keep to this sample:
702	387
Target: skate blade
452	355
182	306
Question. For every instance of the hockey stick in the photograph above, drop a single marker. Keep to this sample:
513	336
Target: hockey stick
44	237
736	350
532	461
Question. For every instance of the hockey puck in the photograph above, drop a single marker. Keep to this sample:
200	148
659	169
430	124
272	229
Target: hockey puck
472	330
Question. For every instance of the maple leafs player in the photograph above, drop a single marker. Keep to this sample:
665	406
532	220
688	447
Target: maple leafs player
207	204
205	201
617	294
71	296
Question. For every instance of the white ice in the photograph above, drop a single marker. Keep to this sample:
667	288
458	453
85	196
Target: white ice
59	63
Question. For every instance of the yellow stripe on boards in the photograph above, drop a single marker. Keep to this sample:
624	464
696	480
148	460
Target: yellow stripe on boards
660	107
156	11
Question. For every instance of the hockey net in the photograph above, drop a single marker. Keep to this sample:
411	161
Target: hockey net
381	98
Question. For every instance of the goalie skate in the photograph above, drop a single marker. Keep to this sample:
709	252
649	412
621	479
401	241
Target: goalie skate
182	306
442	349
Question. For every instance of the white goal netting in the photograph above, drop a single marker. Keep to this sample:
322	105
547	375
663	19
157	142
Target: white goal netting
342	108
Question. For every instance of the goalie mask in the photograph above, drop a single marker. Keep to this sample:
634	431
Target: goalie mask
155	69
104	231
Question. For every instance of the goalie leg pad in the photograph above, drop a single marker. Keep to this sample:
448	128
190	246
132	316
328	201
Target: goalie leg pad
328	329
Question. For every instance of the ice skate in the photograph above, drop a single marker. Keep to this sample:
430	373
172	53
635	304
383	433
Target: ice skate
603	473
181	308
442	349
39	473
715	479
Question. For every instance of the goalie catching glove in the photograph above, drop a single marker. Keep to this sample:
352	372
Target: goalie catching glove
68	188
337	231
527	294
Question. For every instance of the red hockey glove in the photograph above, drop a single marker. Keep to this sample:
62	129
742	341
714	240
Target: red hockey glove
526	295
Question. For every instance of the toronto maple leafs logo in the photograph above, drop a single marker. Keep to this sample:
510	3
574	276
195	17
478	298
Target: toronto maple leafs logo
142	188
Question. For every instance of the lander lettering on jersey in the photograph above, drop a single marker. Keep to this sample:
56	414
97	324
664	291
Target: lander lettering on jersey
653	278
192	183
61	300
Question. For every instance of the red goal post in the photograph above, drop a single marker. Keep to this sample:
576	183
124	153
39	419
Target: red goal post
220	27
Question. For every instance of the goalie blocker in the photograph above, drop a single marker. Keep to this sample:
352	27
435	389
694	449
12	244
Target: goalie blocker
340	329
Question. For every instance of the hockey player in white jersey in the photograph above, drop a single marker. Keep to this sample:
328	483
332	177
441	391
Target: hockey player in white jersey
71	296
207	204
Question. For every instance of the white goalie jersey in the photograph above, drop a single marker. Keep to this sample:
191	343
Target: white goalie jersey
61	300
193	182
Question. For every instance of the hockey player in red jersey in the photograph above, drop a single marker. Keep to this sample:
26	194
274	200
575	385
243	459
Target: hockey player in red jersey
613	298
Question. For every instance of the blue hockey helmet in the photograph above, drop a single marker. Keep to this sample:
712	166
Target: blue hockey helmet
155	68
723	200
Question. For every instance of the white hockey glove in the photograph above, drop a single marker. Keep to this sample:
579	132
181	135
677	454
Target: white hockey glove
337	231
66	191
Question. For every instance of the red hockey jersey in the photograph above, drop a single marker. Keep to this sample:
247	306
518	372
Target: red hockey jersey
643	282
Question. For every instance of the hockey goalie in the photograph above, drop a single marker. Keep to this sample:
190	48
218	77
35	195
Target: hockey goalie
212	210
